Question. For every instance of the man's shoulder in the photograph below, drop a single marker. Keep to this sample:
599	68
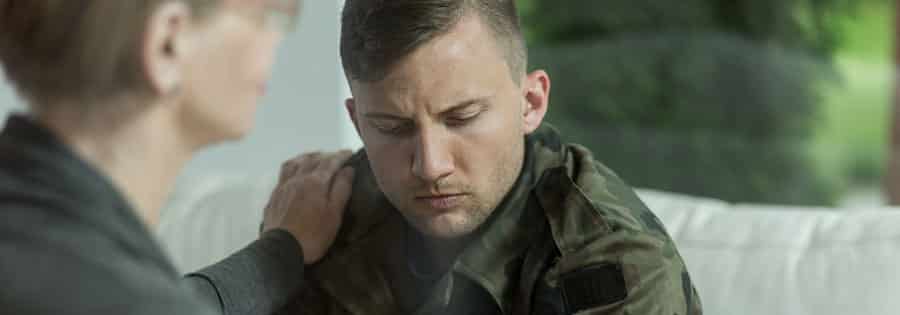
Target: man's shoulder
585	200
606	234
368	210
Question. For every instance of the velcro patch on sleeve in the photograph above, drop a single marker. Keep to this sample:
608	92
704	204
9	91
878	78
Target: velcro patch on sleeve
593	286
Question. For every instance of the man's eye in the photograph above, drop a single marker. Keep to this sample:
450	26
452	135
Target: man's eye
462	120
394	129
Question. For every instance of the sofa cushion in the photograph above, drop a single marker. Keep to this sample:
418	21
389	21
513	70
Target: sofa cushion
765	259
209	218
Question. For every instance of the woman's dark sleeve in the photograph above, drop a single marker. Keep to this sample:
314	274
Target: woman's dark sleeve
259	279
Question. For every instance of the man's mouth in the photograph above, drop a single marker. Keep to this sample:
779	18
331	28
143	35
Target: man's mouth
442	201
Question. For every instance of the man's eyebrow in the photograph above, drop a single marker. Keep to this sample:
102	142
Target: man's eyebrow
455	108
386	116
464	105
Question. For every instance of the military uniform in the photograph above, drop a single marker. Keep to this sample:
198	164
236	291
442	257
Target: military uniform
570	237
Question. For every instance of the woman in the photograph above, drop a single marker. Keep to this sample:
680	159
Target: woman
120	95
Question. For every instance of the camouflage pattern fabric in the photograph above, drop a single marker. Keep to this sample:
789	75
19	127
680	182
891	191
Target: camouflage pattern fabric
570	237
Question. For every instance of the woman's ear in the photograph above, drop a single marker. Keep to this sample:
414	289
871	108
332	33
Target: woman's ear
163	46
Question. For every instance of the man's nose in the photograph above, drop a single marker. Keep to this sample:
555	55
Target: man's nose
432	159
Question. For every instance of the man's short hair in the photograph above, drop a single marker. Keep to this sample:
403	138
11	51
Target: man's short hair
376	34
60	50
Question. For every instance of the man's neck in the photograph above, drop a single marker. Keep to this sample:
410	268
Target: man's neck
442	253
141	154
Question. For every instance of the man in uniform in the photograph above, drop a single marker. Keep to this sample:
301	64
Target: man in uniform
463	203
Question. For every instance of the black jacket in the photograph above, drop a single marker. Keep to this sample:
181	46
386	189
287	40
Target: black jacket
71	244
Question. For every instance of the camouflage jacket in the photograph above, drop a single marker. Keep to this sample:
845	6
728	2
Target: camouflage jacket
570	237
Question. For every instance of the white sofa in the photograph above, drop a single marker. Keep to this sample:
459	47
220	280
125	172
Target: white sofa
744	259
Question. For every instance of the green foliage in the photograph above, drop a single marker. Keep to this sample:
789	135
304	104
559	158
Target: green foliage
717	98
851	140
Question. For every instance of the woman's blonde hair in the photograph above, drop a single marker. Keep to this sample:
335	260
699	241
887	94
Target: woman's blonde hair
60	50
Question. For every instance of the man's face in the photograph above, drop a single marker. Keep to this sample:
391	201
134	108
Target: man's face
444	131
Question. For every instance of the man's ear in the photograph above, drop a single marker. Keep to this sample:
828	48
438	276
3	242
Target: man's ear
350	104
163	46
537	97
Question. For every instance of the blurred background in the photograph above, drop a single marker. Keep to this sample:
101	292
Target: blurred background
759	101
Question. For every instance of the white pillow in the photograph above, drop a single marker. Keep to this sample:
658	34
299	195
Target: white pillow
756	259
